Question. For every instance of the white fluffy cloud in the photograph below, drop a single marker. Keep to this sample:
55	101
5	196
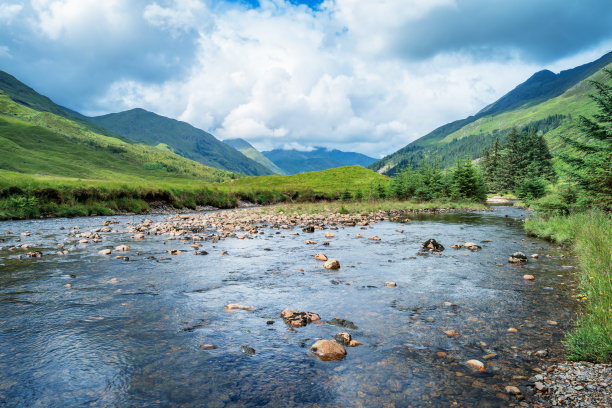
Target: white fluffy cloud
348	74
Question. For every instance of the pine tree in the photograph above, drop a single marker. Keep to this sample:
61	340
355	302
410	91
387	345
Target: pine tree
467	183
591	168
511	159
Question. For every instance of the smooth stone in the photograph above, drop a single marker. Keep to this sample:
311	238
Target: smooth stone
122	248
332	264
528	277
328	350
476	365
391	284
105	252
320	257
511	389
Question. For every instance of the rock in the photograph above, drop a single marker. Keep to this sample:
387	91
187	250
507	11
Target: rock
138	236
358	236
249	351
236	306
490	356
456	246
399	230
551	322
476	365
391	284
200	253
328	350
512	330
374	238
354	343
472	246
535	256
105	252
431	245
541	353
329	235
309	242
343	323
540	386
528	277
83	241
208	347
452	333
511	389
34	254
299	319
122	248
309	228
320	257
174	252
332	264
517	257
343	338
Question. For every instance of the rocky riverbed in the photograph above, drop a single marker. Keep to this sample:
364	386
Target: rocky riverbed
237	308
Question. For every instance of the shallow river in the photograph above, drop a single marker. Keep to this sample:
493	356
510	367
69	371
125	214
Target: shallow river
85	329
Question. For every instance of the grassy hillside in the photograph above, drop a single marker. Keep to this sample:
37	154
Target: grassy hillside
294	161
142	126
550	103
249	151
325	184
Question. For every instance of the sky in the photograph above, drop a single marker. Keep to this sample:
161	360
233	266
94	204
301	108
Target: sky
349	74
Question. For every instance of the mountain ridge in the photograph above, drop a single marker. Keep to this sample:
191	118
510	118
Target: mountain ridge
320	158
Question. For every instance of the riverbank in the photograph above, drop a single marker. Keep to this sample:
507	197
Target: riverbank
578	384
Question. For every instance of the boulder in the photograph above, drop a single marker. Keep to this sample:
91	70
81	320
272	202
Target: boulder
328	350
122	248
332	264
105	252
343	338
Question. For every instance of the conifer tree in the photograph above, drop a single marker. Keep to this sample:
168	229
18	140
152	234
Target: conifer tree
591	168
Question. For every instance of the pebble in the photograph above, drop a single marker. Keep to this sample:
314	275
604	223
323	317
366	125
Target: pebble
320	257
476	365
332	264
391	284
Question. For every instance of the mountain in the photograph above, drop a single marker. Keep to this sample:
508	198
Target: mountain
249	151
44	145
26	96
547	101
295	161
140	125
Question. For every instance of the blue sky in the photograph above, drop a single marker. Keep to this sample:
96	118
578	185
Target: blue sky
348	74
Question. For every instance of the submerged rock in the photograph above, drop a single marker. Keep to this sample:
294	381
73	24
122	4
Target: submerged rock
236	306
472	246
309	228
105	252
122	248
328	350
476	365
391	284
249	351
343	323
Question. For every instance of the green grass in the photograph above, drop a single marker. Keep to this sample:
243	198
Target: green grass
590	235
312	186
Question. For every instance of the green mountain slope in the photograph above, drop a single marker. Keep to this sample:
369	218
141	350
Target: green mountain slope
45	145
249	151
295	161
549	102
142	126
24	95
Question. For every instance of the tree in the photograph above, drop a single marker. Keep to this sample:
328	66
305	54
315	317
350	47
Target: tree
591	168
467	183
491	159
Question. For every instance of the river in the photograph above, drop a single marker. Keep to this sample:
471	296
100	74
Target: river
84	329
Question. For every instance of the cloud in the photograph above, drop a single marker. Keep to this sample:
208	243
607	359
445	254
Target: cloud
348	74
8	12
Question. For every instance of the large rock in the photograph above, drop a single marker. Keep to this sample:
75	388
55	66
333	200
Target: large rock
328	350
299	319
431	245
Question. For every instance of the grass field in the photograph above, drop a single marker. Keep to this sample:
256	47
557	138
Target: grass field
590	235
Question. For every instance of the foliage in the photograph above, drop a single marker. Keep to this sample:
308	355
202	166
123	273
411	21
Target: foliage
590	234
591	165
467	182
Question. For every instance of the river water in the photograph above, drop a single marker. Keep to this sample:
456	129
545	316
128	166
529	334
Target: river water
84	329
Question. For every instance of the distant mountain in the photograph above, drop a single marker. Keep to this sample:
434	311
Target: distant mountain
295	161
249	151
183	139
546	101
